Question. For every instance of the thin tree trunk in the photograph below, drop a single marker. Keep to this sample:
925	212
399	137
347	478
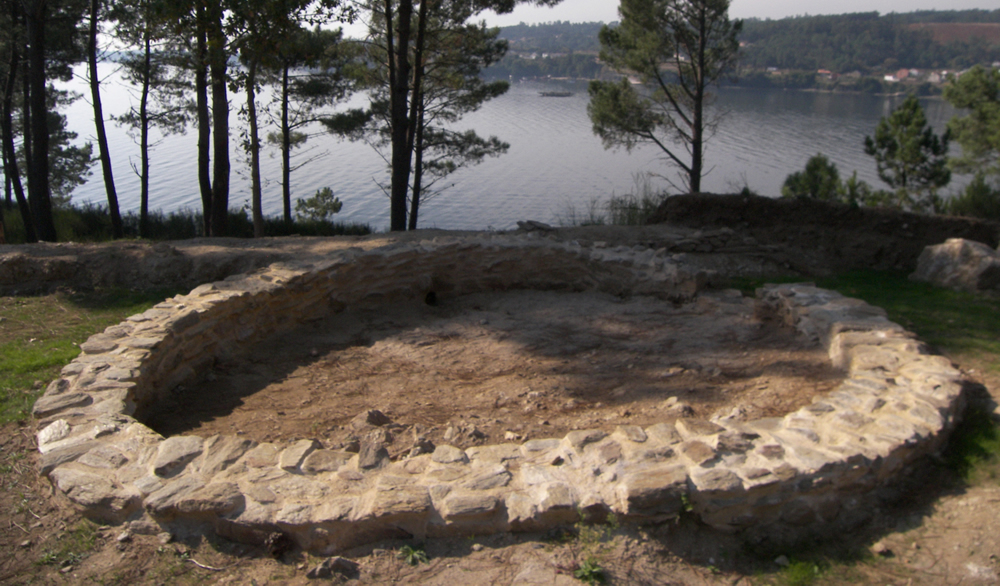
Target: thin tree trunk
255	195
39	194
147	71
697	122
399	90
102	136
204	122
220	124
418	161
26	145
286	148
9	150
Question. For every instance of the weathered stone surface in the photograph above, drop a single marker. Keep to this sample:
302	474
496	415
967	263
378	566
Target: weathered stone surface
497	453
634	433
494	477
698	452
294	454
579	439
653	491
175	453
263	455
466	506
540	445
372	417
85	487
104	456
401	500
51	433
98	344
556	496
373	452
164	501
48	461
50	404
716	480
449	455
218	498
664	432
959	264
221	452
690	428
325	461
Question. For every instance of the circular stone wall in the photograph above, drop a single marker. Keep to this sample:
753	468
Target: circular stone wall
818	466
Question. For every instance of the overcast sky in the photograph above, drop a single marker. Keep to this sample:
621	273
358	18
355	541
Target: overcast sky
607	10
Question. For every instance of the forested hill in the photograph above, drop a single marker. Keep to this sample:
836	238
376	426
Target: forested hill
866	41
842	43
553	37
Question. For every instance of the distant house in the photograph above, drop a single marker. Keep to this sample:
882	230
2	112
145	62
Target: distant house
935	77
902	74
891	78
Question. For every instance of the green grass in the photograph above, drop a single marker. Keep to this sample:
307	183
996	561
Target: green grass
72	547
954	322
41	334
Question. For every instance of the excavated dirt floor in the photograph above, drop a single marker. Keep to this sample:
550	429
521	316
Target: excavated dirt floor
505	366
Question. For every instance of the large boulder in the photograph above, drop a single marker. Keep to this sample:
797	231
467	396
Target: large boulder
959	264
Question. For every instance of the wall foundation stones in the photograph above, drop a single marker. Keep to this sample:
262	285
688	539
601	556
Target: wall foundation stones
819	466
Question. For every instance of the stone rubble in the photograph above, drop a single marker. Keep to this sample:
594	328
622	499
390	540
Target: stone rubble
821	466
959	264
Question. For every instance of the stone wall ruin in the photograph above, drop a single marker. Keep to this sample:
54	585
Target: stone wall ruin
820	466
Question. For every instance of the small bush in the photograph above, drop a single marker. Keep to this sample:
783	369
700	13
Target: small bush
981	199
90	222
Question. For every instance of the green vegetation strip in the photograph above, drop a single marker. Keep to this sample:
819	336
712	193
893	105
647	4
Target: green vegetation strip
41	334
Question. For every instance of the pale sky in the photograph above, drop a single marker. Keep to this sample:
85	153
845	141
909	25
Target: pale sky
607	10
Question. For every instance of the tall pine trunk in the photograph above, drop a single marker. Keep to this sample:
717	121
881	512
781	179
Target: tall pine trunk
39	194
218	69
418	163
10	153
147	71
255	189
399	81
204	121
102	136
286	149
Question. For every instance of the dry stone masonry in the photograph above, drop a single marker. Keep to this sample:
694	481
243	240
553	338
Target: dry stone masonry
820	466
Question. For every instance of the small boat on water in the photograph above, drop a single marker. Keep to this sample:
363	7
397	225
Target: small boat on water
556	94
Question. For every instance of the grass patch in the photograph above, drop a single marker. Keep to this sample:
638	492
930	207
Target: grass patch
954	322
73	546
974	448
41	334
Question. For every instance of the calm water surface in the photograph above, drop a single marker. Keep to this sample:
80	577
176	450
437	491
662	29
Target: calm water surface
555	164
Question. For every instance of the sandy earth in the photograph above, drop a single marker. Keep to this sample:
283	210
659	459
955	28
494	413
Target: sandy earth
506	366
940	532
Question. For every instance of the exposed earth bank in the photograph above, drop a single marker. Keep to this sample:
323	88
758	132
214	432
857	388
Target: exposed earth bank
732	234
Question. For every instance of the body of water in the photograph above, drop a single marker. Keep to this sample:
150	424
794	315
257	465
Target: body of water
555	164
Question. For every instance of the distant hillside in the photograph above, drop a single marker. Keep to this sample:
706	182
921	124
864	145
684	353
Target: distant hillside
951	32
854	51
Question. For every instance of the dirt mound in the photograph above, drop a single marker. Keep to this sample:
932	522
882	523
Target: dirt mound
836	236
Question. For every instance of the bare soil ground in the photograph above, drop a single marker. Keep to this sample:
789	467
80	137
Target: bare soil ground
506	366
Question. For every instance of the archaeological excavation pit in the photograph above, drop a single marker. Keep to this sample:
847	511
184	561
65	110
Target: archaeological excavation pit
520	384
505	366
